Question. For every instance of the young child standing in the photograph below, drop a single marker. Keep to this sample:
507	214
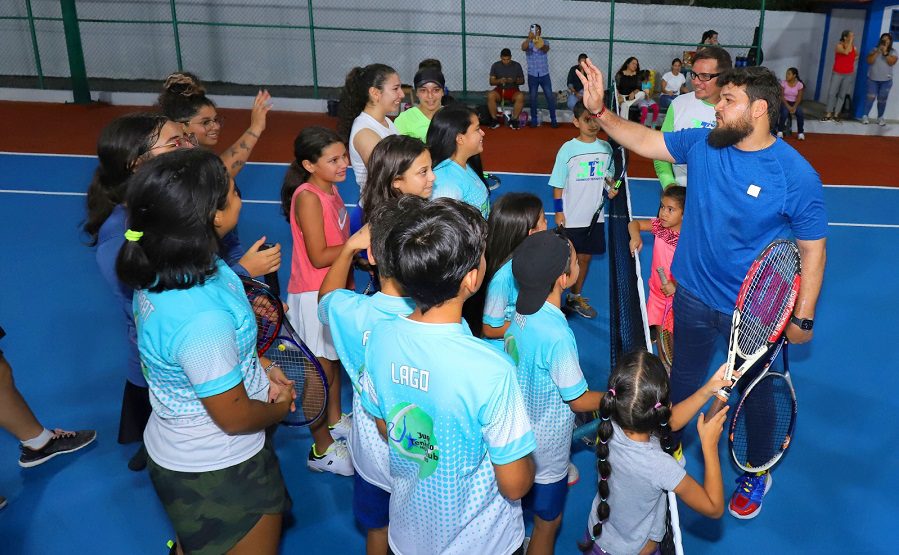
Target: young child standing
579	181
666	228
549	374
448	404
320	226
351	317
633	452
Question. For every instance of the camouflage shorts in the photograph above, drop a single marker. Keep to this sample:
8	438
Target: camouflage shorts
212	511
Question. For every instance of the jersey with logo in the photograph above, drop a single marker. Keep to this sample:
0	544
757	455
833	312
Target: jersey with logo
580	171
453	409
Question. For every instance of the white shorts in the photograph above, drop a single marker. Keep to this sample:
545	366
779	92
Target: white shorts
302	314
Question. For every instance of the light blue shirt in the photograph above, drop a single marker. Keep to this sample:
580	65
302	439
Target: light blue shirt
499	302
454	181
351	317
453	409
549	373
580	170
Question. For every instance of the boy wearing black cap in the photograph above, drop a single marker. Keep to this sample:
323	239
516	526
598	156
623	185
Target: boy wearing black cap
549	373
429	86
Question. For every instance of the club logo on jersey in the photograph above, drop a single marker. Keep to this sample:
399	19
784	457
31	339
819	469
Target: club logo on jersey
511	347
590	169
410	432
699	124
341	217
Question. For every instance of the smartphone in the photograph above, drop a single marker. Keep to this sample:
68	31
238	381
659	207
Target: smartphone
533	27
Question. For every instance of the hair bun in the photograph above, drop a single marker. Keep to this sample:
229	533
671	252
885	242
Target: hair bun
185	84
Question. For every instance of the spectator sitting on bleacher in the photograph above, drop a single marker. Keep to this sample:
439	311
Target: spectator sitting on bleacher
506	76
674	83
575	87
694	109
429	87
628	83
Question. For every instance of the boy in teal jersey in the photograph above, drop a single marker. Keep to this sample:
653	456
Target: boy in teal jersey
351	317
549	373
448	404
580	177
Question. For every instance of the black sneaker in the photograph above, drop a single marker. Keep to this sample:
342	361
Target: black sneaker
62	442
2	502
513	123
138	461
554	125
495	124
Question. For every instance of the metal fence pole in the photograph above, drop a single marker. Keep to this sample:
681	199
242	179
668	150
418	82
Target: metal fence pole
464	55
611	44
177	35
80	89
312	41
761	31
34	46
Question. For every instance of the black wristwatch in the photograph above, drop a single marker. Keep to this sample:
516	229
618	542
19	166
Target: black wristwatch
803	323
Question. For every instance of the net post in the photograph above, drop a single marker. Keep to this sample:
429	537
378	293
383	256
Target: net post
80	88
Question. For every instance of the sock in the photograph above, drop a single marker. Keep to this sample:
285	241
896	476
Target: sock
39	441
315	453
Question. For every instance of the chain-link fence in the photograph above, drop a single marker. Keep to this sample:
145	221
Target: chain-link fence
308	47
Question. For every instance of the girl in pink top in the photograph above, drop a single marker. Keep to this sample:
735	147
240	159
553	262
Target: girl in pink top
666	229
792	87
319	226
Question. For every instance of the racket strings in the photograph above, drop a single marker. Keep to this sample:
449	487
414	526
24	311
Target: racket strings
310	388
763	423
768	297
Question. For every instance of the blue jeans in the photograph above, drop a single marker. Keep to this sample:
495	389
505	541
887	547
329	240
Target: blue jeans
786	120
542	81
879	90
665	100
698	328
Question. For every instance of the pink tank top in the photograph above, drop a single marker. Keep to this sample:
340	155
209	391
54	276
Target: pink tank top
662	255
303	275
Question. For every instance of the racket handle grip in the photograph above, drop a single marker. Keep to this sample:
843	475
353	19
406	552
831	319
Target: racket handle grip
717	405
662	276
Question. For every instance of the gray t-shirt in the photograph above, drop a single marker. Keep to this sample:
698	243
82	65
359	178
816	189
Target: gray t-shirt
502	71
641	474
880	70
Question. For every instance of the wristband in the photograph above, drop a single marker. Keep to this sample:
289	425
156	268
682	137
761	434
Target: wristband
557	205
600	113
268	368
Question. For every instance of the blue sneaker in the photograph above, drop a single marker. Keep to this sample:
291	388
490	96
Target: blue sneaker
746	501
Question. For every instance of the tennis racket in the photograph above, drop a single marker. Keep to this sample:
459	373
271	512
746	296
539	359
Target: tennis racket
666	337
493	181
285	348
763	424
763	309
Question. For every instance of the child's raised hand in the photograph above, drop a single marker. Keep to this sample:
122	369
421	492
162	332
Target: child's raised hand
710	431
360	240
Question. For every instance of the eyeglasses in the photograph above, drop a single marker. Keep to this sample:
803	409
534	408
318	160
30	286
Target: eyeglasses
209	123
704	76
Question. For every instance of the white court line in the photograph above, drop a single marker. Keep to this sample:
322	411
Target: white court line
649	179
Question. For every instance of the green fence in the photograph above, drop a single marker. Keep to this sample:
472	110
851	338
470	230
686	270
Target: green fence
311	45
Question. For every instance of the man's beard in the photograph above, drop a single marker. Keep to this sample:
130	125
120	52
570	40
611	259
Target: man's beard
724	136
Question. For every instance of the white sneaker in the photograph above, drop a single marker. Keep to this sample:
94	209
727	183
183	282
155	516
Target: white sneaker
780	134
574	476
801	136
336	459
679	455
864	120
881	122
341	430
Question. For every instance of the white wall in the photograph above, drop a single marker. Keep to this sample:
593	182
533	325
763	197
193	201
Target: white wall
892	108
840	20
282	56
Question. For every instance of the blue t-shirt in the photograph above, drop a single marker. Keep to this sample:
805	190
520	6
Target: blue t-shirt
197	343
453	409
453	181
351	317
549	373
499	302
737	203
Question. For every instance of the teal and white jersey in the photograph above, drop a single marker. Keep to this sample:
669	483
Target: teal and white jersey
499	302
196	343
581	170
549	373
453	409
454	181
687	112
351	317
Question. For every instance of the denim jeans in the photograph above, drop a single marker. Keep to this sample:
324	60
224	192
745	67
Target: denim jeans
879	91
786	120
698	327
546	83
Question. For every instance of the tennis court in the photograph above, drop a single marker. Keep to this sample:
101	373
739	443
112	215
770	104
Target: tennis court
832	493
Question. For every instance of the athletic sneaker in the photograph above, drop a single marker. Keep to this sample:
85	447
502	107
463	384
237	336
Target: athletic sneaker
679	455
138	461
341	430
336	459
574	475
2	502
746	501
60	443
513	123
801	136
881	122
495	124
865	120
581	305
780	134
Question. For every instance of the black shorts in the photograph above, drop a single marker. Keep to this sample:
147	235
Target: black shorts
588	240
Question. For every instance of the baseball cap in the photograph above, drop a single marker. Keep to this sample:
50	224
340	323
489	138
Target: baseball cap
536	264
428	75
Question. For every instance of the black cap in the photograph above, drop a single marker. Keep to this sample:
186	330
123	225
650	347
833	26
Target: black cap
536	265
428	75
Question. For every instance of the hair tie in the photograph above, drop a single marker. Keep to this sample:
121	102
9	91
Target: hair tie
604	442
665	423
604	419
132	235
612	391
657	406
603	478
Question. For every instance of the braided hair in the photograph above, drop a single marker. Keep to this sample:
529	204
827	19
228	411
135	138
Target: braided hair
638	401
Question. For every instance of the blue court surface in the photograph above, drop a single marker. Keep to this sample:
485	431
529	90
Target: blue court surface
833	492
